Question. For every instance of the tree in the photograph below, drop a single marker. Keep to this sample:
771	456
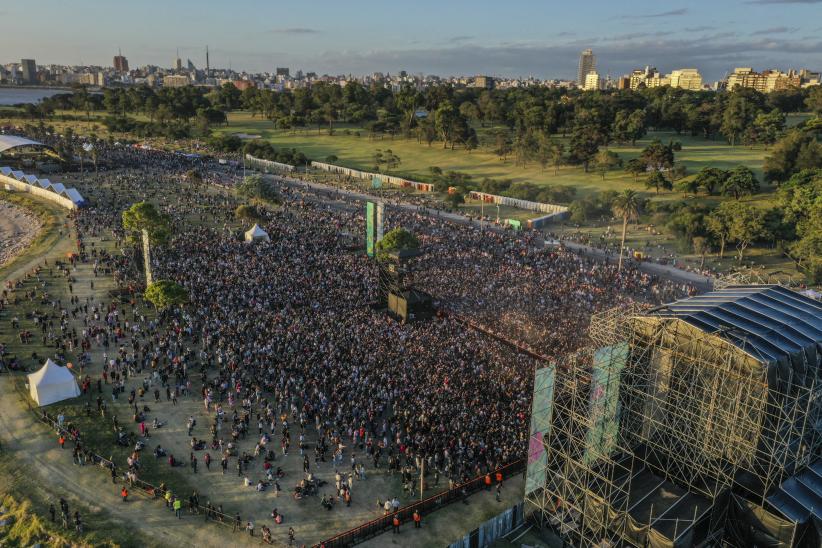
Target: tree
658	157
445	121
747	224
397	239
814	101
585	141
737	116
144	216
800	199
740	181
796	151
247	212
606	160
502	144
258	188
657	180
164	294
557	152
710	178
636	167
719	222
701	246
626	205
455	199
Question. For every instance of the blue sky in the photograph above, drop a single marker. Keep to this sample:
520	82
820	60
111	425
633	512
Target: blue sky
506	38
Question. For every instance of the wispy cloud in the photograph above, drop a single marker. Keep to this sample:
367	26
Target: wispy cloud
458	39
671	13
784	2
698	29
776	30
295	30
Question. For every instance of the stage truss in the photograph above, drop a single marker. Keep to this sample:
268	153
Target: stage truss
694	419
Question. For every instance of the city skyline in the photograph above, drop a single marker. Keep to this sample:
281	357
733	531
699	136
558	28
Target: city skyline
521	39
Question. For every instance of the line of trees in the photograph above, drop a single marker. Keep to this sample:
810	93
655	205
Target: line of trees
524	119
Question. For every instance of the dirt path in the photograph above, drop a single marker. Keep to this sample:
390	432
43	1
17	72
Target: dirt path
37	450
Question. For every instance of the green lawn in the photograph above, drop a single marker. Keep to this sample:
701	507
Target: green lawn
357	152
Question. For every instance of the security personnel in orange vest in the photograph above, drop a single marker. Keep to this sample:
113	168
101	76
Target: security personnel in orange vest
396	522
417	519
499	477
487	482
124	493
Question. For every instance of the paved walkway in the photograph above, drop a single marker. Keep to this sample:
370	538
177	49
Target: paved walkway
668	272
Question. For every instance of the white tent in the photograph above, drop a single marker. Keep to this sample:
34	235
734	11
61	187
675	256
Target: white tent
52	383
256	233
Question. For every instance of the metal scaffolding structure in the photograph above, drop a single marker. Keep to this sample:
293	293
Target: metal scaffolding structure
657	422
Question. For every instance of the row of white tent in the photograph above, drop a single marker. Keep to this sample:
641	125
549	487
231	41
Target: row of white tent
32	180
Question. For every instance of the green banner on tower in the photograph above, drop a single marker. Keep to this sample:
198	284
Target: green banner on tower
370	228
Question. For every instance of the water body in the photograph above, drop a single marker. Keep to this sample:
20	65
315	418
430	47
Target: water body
14	96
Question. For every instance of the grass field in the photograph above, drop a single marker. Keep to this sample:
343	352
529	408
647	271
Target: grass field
416	158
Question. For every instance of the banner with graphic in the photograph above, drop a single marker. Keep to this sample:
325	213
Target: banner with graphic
380	218
541	415
604	409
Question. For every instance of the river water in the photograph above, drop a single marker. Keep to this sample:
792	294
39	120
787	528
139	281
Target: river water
13	96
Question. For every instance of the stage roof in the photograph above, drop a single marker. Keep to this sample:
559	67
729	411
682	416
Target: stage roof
769	322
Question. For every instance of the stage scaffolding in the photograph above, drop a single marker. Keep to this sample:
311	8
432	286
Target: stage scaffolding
695	418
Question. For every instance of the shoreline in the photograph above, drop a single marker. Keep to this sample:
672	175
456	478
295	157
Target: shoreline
19	228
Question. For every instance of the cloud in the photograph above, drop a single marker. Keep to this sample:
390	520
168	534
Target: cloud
295	30
458	39
784	2
776	30
713	56
671	13
698	29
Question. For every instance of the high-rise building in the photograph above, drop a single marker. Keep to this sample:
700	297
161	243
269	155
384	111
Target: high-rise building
176	81
283	71
587	64
592	82
686	79
120	62
178	62
765	82
484	82
29	68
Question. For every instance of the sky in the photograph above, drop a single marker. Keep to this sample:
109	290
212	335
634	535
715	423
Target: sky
445	37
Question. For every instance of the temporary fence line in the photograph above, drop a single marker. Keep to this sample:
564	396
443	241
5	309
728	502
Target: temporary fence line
266	165
382	177
424	507
550	209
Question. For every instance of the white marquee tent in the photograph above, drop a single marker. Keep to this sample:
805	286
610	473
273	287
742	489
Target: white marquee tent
256	234
52	383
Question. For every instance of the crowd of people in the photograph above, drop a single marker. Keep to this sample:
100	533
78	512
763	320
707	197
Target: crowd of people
281	342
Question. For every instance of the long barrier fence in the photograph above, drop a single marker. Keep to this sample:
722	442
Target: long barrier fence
382	177
496	527
55	192
552	212
378	526
266	166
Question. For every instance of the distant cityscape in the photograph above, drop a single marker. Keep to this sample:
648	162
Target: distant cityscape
28	73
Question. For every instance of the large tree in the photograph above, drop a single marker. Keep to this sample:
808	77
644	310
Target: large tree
164	294
741	181
145	216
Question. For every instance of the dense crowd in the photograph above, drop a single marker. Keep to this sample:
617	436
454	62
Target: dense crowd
281	343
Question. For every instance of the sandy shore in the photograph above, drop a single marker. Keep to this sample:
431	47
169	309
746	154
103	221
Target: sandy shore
18	228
